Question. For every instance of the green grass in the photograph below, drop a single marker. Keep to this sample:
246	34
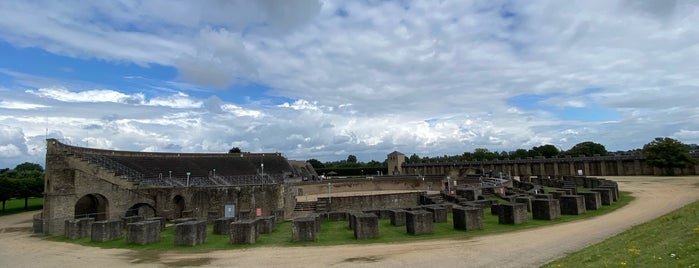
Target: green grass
13	206
338	233
669	241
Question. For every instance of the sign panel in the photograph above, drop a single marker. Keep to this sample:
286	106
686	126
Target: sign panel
229	211
258	212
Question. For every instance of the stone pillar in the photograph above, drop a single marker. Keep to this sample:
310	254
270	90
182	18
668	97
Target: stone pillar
546	209
132	219
303	229
637	169
78	228
555	169
143	232
467	218
161	220
586	168
605	195
190	233
222	226
366	226
603	167
572	204
103	231
397	217
243	232
571	167
593	200
265	225
278	216
527	200
439	213
419	222
513	213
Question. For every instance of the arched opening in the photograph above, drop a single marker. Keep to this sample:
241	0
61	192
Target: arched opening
92	206
179	206
141	209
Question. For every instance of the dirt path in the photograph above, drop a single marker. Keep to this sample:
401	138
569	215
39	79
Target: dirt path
530	248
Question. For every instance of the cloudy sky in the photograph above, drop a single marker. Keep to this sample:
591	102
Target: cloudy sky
325	79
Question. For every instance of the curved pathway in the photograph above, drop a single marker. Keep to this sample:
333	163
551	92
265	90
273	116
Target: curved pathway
655	196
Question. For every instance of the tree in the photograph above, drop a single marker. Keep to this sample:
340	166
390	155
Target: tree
315	163
7	191
234	150
587	148
668	154
351	159
519	153
547	151
28	167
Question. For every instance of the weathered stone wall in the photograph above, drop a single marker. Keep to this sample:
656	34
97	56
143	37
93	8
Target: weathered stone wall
70	178
372	202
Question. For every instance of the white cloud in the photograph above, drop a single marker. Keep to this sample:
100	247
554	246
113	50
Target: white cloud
362	77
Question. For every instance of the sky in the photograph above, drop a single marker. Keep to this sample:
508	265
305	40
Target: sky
326	79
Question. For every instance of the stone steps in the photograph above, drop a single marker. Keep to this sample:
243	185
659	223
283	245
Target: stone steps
305	206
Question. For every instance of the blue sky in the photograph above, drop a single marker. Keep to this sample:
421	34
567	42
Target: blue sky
325	79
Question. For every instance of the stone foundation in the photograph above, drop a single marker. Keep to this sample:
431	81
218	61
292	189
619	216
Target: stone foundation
131	219
366	226
527	200
467	218
243	232
190	233
103	231
143	232
78	228
546	209
593	200
419	222
303	229
572	204
605	195
161	220
397	217
265	225
513	213
439	213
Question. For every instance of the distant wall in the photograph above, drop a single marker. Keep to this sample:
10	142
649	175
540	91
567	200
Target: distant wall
372	202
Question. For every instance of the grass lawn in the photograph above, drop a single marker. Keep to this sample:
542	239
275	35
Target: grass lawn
338	233
13	206
669	241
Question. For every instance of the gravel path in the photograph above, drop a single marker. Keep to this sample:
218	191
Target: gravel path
655	196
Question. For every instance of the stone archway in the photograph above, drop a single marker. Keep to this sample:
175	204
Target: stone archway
141	209
92	206
178	206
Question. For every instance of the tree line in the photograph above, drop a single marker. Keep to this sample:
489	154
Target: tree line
664	153
24	181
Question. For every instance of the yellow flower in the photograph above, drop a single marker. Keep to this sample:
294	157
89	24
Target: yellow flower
623	263
696	229
634	251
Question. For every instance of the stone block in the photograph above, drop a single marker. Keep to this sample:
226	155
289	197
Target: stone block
557	194
366	226
143	232
419	222
243	232
467	218
572	204
613	189
397	217
103	231
190	233
222	226
183	220
593	200
303	229
439	213
495	209
132	219
265	225
571	190
278	215
527	200
605	195
78	228
161	220
38	223
546	209
246	214
470	194
513	213
543	196
317	218
188	214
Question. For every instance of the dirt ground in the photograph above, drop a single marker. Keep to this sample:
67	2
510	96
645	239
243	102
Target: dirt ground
655	196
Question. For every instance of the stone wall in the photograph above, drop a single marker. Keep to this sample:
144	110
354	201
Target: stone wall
372	202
